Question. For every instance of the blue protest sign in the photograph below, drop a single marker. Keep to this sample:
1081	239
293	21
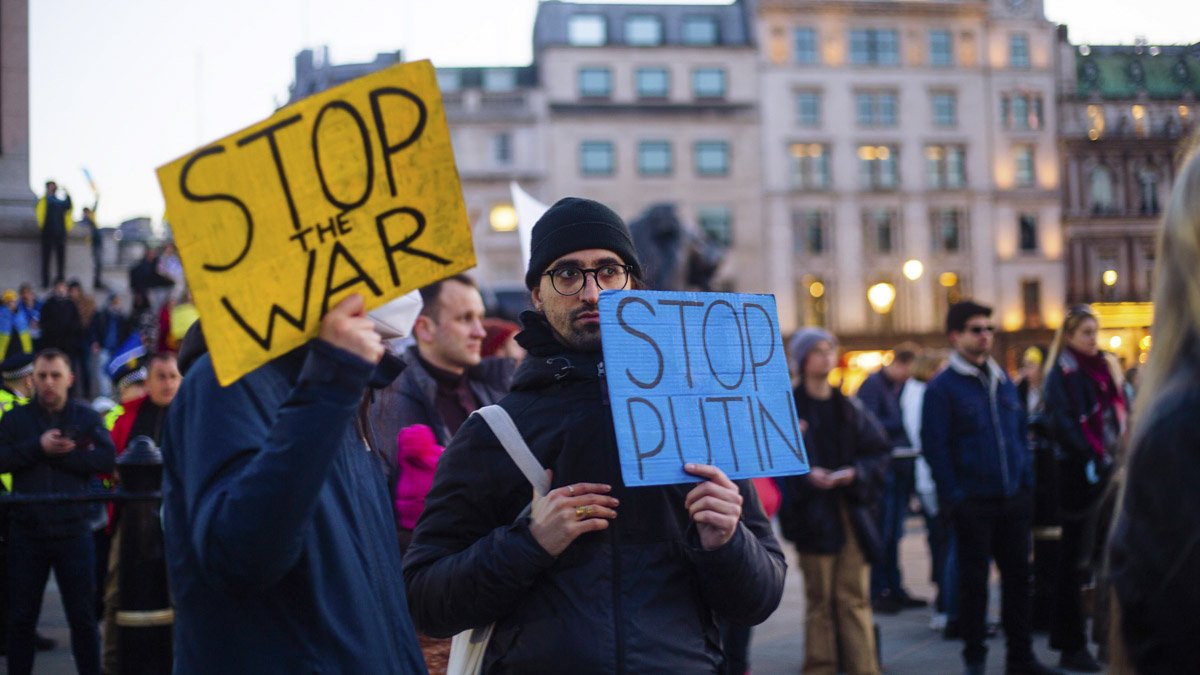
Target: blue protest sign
698	377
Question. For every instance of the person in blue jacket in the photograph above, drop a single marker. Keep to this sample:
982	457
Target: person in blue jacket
281	551
973	436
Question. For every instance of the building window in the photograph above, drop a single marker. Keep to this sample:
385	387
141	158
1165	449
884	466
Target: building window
1028	236
1031	299
712	158
1095	116
1100	191
878	167
595	82
1018	50
652	83
946	166
502	148
812	306
809	166
947	226
1021	111
941	48
871	47
808	108
881	230
1147	180
654	158
809	232
449	81
499	79
642	30
708	83
945	109
700	30
1140	126
805	46
587	30
1025	174
716	222
596	158
876	108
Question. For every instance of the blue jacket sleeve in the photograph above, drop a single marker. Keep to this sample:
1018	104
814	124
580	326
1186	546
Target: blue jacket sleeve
743	580
252	475
935	443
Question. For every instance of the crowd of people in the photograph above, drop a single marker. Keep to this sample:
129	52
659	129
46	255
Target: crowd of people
341	508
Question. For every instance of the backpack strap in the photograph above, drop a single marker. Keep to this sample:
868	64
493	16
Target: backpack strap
506	432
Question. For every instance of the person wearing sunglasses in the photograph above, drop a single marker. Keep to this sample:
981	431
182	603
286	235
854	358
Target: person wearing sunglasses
973	432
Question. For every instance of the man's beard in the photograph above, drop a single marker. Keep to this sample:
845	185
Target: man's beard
584	338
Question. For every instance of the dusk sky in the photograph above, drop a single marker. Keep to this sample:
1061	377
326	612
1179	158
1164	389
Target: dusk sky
123	86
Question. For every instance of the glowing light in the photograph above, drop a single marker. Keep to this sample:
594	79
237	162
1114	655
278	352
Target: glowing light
816	289
913	269
881	296
1144	343
503	218
1143	357
1115	342
948	279
1109	277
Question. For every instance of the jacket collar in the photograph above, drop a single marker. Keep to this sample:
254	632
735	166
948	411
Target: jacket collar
964	367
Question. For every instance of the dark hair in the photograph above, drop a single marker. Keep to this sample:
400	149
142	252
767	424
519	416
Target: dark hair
51	353
161	356
430	293
961	312
905	352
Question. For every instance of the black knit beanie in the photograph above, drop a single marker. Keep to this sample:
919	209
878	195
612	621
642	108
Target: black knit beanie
576	224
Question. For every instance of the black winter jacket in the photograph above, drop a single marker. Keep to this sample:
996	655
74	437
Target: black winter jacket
641	596
1155	555
1068	396
35	472
808	516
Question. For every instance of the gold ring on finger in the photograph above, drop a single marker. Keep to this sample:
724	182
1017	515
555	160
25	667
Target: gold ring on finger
581	512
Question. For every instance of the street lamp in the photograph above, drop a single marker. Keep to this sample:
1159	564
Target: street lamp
881	296
913	269
503	218
1109	277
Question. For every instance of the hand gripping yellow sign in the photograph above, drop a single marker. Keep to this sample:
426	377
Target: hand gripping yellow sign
353	190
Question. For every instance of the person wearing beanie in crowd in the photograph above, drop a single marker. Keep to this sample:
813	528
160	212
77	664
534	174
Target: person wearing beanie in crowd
596	574
830	513
973	434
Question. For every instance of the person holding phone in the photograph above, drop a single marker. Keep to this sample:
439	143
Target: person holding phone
831	513
53	445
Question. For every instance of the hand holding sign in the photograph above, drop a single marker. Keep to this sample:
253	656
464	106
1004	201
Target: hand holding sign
347	327
714	505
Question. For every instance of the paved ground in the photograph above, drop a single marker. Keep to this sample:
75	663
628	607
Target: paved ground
908	644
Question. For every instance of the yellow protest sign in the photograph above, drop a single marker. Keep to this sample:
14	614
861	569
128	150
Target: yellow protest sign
353	190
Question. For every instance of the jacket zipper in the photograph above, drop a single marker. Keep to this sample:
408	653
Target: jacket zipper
616	558
1003	451
603	384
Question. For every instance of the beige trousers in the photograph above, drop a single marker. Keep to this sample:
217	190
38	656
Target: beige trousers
838	592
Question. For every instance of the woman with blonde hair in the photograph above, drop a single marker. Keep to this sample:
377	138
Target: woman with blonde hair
1084	411
1155	548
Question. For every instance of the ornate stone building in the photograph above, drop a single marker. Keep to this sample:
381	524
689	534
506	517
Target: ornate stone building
1123	112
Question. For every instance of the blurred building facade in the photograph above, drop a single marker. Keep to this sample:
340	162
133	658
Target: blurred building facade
1124	110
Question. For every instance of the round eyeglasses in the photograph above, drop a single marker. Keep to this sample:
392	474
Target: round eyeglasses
570	280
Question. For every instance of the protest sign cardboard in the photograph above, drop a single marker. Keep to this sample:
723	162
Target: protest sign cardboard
353	190
702	378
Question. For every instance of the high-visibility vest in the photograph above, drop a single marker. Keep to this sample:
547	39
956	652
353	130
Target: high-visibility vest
8	401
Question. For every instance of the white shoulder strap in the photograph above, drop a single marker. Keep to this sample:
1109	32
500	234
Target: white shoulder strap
506	431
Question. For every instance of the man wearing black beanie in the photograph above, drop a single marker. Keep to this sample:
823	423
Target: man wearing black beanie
595	570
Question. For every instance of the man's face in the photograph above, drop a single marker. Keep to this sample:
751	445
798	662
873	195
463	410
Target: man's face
163	381
975	340
52	379
575	318
51	188
820	361
451	338
27	295
900	372
60	289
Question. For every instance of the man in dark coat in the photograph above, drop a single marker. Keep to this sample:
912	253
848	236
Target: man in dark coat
55	221
973	434
279	538
598	578
53	445
831	512
445	378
